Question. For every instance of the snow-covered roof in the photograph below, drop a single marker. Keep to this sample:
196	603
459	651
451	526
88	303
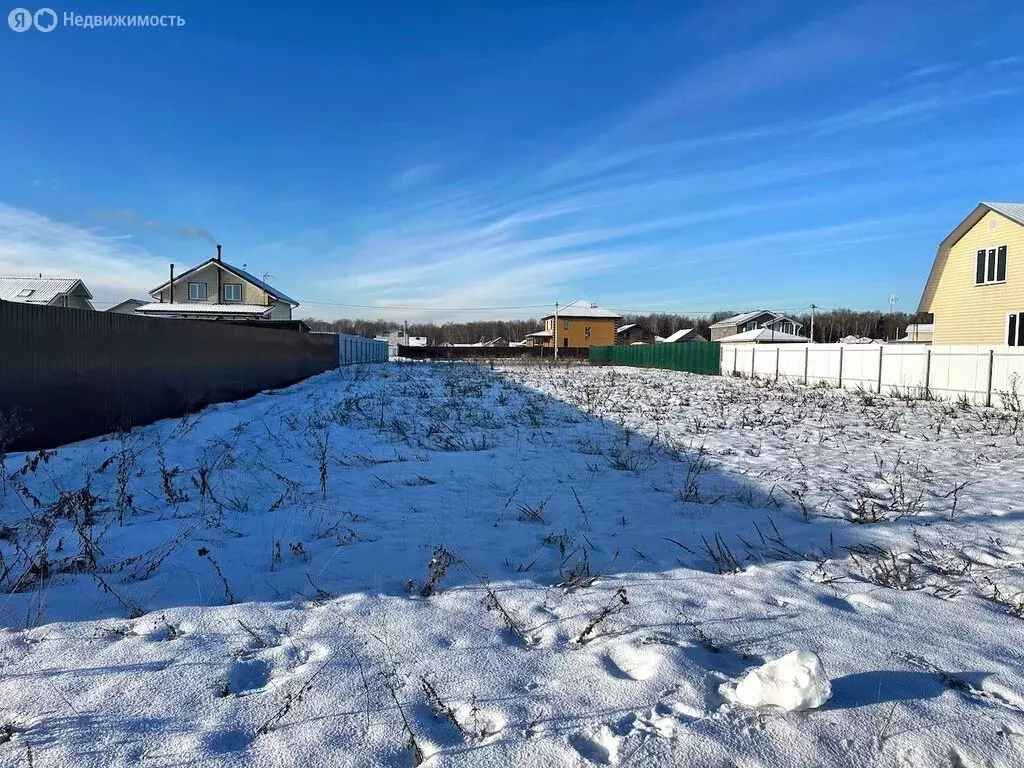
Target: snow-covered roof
763	335
583	308
247	276
860	340
679	335
624	328
738	319
201	308
544	334
744	317
134	303
38	290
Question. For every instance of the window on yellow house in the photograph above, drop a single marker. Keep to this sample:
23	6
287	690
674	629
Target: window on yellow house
566	326
991	267
1015	329
586	332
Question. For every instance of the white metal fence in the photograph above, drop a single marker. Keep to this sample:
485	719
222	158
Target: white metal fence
985	375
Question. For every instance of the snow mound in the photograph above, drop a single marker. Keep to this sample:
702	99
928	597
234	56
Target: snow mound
796	681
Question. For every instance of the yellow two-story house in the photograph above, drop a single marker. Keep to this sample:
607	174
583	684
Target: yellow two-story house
580	323
976	286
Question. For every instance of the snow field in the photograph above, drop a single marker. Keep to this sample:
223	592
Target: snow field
455	565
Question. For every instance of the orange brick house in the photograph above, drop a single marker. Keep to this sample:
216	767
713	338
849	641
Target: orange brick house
580	323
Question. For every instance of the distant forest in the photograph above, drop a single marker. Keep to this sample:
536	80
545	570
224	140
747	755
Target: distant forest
829	326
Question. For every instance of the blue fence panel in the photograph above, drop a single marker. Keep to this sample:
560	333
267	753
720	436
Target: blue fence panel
358	349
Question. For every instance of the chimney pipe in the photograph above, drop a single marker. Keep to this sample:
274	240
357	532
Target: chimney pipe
218	251
172	283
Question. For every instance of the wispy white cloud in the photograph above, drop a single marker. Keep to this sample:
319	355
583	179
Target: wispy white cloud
410	177
113	268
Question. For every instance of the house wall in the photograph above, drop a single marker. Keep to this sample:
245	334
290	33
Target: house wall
966	313
634	335
723	331
208	274
71	301
282	311
602	331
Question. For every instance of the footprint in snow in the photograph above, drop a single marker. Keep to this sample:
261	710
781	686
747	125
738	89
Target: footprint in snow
600	747
220	742
634	663
864	602
246	676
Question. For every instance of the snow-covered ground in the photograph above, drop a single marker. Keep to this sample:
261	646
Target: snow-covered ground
524	566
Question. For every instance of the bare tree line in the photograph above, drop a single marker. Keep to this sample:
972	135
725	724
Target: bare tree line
829	326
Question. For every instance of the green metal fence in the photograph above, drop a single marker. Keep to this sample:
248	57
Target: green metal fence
694	356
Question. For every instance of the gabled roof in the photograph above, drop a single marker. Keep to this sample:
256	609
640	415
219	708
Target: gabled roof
240	273
1013	211
583	308
624	328
202	308
127	303
743	317
680	335
765	335
44	289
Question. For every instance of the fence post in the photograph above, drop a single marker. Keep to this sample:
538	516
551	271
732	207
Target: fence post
777	349
753	357
928	372
988	389
807	360
735	361
881	350
841	348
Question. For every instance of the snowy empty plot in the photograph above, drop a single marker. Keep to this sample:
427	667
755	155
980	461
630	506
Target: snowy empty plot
456	565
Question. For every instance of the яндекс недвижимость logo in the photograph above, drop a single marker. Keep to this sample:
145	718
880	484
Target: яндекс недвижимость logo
46	20
22	19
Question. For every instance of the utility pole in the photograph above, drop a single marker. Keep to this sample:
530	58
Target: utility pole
554	338
813	307
893	300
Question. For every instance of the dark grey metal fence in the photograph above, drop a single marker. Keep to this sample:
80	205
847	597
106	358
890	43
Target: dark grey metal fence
68	374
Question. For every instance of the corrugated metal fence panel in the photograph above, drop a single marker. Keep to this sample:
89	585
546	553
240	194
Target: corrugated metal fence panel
70	374
359	349
696	357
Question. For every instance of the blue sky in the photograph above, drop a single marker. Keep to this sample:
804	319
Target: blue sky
453	155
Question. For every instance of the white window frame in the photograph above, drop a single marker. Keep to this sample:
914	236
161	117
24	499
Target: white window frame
991	265
1019	316
224	292
195	296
